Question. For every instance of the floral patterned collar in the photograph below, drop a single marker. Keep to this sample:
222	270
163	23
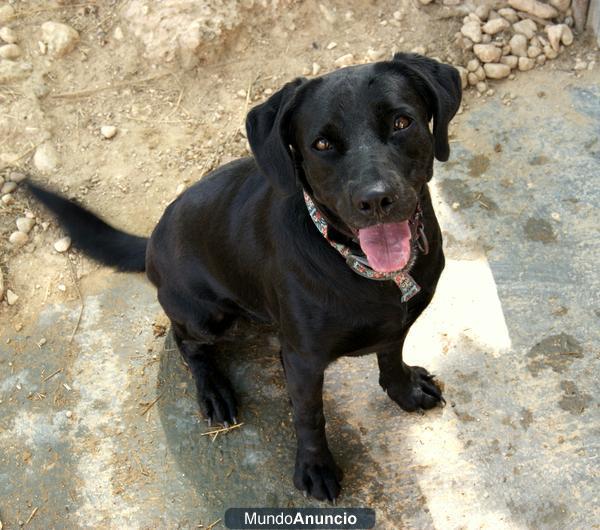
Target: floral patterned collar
359	264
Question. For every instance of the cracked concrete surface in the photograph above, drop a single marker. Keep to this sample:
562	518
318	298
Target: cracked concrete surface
512	333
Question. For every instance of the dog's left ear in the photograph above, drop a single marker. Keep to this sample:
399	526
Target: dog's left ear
269	135
443	92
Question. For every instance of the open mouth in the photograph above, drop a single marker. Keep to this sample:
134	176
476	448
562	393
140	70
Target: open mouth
389	246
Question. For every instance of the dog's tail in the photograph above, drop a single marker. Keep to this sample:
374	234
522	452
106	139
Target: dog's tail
92	235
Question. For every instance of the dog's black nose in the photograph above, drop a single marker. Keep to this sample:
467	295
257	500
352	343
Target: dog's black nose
374	200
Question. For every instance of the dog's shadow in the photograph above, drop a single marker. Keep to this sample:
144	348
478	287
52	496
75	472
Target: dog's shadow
251	465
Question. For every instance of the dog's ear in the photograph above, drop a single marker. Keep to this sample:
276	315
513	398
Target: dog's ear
442	89
269	135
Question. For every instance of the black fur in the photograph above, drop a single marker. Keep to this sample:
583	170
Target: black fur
240	242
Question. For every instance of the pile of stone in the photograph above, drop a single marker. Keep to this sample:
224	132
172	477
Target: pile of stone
517	36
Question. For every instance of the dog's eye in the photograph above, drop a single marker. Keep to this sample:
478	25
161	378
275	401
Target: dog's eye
401	122
322	144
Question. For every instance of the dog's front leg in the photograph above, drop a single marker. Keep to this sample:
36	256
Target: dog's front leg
412	387
316	473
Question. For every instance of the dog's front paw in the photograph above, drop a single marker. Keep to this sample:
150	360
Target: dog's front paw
416	391
318	475
217	400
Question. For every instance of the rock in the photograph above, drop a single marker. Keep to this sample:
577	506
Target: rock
419	50
472	30
512	61
526	27
8	187
487	53
506	50
464	42
580	65
518	45
496	70
480	74
10	52
11	71
316	68
344	60
25	224
555	33
8	35
7	199
60	39
17	176
463	76
495	26
533	7
483	11
375	55
11	297
18	239
109	131
540	59
63	244
561	5
567	36
486	39
45	158
472	65
331	45
481	87
533	52
550	52
509	14
425	2
525	63
472	79
7	12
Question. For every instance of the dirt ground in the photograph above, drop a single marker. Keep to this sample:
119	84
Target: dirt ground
175	122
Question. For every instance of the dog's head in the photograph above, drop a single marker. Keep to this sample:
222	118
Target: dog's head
358	141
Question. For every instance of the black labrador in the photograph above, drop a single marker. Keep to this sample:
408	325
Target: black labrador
328	231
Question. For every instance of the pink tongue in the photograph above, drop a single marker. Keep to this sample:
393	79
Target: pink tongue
387	245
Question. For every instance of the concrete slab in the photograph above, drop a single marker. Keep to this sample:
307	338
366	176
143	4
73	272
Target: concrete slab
512	333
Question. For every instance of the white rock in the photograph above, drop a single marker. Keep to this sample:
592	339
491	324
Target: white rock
495	26
8	187
481	87
375	55
526	27
540	59
316	68
472	79
525	63
45	158
550	52
472	30
25	224
425	2
518	45
509	14
10	52
487	53
512	61
496	70
567	36
11	297
483	10
63	244
331	45
472	65
419	50
533	7
8	35
533	52
463	76
555	33
480	73
7	199
561	5
18	239
344	60
17	176
109	131
6	13
60	39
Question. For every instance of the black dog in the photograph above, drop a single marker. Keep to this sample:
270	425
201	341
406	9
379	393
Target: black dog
328	231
